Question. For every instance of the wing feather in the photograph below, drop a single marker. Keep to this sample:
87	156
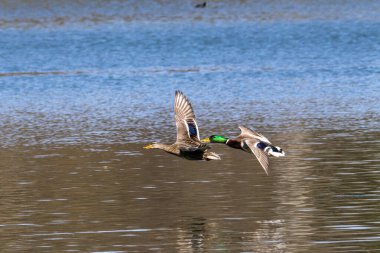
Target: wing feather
187	128
248	133
260	154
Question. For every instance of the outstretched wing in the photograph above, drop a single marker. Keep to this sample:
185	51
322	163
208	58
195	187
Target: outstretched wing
248	133
187	127
249	145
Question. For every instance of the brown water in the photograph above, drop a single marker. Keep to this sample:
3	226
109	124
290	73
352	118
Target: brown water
324	196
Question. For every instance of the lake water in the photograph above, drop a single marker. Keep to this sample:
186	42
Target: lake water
83	87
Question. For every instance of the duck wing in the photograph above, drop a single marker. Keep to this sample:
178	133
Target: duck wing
187	128
248	133
249	145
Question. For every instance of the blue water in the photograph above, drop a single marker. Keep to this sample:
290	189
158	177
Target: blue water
283	73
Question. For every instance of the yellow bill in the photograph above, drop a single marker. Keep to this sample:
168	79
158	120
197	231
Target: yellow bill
205	140
148	146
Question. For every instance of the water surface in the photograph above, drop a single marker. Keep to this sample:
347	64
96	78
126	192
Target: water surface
80	97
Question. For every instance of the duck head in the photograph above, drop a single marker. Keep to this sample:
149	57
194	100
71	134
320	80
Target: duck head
215	139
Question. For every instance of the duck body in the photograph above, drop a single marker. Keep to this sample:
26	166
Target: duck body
188	144
190	152
234	143
252	142
202	5
196	153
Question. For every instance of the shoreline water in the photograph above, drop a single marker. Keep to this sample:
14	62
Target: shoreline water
54	14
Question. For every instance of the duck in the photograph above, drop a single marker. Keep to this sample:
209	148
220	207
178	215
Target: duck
202	5
188	144
252	142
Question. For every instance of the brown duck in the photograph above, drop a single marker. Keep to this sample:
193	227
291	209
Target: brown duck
188	144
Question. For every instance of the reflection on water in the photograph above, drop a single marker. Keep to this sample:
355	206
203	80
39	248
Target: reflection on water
78	103
119	198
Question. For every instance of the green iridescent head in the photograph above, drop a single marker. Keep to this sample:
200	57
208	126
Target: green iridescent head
216	139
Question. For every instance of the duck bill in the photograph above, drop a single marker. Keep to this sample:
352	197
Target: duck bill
206	140
148	146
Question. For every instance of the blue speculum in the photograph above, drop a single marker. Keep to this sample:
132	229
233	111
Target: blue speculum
261	145
192	129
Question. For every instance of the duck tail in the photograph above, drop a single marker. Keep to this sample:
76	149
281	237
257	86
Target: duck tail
211	156
275	151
